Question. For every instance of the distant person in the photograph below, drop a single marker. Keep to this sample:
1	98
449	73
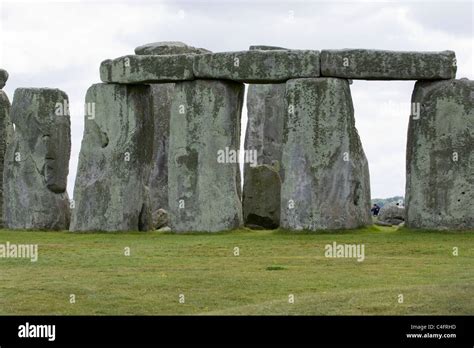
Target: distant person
375	210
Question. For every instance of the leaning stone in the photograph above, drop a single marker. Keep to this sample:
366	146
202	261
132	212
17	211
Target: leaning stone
37	161
382	223
168	47
3	78
258	66
261	201
203	185
164	229
388	65
5	138
147	69
158	181
440	156
111	192
266	111
326	176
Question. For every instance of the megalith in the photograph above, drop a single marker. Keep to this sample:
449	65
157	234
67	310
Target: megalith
37	161
161	95
440	156
203	169
266	112
326	177
111	192
5	134
161	106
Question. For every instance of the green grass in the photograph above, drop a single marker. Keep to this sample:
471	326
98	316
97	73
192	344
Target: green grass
271	265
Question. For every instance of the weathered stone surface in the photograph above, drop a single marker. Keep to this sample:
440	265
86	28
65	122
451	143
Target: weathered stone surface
326	176
147	69
265	48
168	47
160	219
266	110
258	66
111	192
3	78
388	65
203	193
440	156
37	161
261	200
5	138
392	214
158	182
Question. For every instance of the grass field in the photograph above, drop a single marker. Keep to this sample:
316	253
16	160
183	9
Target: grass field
271	266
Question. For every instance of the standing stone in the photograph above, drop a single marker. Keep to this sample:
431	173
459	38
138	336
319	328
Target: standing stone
388	65
440	156
161	100
203	183
158	181
5	134
37	161
3	78
266	112
111	192
326	176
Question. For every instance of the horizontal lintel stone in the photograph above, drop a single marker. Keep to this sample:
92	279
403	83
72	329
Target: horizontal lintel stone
147	69
258	66
388	65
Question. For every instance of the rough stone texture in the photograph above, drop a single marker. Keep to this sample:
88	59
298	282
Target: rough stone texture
322	187
388	65
439	189
3	78
168	47
160	218
205	118
5	134
265	48
392	214
258	66
147	69
261	202
37	161
158	182
266	110
111	192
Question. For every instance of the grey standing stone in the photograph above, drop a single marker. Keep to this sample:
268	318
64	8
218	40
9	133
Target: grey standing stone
5	138
326	176
205	120
158	182
168	47
37	161
147	69
258	66
440	156
266	110
388	65
3	78
111	192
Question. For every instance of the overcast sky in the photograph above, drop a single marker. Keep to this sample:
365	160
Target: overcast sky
61	44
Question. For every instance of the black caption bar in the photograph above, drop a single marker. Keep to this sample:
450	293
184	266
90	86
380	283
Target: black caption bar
37	331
